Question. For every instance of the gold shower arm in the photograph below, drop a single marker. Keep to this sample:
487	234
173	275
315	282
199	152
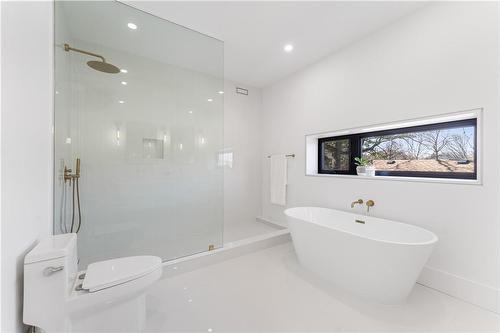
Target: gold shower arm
68	48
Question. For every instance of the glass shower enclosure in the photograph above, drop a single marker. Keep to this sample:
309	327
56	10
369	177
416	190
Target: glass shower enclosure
139	103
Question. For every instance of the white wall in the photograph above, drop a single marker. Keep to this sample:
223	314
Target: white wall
242	137
26	130
441	59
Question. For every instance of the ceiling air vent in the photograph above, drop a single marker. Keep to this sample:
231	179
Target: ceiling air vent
242	91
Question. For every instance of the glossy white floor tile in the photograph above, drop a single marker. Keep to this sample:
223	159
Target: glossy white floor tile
236	232
269	291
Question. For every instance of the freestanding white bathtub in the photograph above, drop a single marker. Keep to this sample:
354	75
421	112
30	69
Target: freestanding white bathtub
374	258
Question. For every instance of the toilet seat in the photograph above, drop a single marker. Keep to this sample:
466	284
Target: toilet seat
105	274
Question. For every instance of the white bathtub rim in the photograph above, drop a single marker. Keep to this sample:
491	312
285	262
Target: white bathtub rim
434	237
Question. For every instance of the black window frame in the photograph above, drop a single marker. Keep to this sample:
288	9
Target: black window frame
356	150
351	154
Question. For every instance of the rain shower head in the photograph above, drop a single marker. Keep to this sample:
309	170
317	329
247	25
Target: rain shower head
101	66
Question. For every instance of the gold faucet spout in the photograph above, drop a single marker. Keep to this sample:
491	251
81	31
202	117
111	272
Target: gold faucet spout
359	201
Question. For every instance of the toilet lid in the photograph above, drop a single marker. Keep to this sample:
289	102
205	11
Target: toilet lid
109	273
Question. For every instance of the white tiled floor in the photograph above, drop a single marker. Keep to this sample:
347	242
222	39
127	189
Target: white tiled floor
269	291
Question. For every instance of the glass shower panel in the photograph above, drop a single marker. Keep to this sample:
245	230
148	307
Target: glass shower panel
148	137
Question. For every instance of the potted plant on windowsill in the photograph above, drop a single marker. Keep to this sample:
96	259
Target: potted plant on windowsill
364	167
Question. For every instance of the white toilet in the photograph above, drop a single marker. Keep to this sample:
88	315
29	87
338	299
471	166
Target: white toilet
108	297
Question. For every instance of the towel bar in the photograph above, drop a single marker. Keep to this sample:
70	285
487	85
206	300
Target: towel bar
287	155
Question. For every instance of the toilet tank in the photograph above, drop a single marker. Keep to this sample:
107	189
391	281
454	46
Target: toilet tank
50	269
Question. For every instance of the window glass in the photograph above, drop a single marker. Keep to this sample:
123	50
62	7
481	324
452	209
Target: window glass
336	155
440	150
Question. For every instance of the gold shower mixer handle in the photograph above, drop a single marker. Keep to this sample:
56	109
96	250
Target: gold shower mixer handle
68	175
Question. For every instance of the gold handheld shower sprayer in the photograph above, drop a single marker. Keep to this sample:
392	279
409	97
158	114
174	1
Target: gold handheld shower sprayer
73	180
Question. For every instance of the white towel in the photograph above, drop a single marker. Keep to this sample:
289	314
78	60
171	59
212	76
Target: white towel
278	179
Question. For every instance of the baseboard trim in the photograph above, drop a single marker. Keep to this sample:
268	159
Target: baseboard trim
484	296
272	223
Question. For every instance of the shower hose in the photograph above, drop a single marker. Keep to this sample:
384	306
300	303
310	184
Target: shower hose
76	188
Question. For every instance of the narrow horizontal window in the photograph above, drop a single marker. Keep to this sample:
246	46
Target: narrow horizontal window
441	150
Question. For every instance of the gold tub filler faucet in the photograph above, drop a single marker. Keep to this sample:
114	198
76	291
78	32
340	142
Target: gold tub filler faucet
370	203
357	202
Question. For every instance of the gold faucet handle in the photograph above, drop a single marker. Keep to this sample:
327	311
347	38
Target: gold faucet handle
369	204
67	174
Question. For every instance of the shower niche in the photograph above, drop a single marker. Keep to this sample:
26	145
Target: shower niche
144	130
152	149
145	142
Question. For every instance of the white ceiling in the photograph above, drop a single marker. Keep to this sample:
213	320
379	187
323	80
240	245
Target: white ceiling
102	27
254	33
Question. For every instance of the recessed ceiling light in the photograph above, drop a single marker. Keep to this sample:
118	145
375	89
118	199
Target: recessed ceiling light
190	112
221	92
288	48
132	26
210	100
124	83
123	70
121	102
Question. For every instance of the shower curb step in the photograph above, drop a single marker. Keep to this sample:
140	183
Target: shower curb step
229	251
